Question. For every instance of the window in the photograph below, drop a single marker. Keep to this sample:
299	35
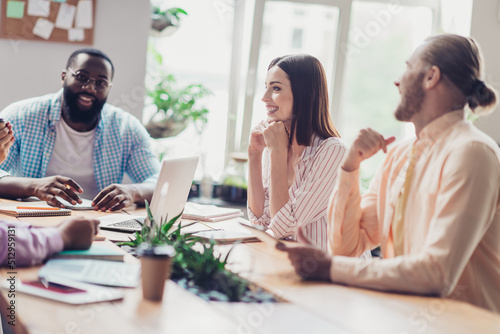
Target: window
381	37
199	52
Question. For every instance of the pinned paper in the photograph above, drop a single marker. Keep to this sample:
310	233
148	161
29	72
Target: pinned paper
43	28
65	16
84	14
76	35
39	8
15	9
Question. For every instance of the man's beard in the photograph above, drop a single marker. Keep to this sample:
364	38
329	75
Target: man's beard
75	114
411	100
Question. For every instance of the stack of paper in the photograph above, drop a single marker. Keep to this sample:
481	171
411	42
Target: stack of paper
209	213
110	273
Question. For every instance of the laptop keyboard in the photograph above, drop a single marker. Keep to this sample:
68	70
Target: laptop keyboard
131	223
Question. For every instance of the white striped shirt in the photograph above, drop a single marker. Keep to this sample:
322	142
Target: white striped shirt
315	176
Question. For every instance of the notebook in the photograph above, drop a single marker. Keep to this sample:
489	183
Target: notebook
225	237
209	213
96	251
32	211
68	291
110	273
170	196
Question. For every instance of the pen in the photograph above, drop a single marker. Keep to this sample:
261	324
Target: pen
35	208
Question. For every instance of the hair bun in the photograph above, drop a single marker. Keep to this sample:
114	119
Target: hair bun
483	98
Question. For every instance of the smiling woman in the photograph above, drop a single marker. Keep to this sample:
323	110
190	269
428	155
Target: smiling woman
294	154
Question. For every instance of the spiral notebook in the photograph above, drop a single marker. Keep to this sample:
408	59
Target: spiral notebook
28	211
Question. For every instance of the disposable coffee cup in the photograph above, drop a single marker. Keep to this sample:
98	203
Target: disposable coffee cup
156	263
2	123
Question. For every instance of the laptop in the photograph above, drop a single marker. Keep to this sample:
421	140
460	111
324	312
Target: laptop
169	197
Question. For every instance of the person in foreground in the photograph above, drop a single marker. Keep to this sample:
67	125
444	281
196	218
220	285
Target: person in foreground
434	205
294	154
72	143
23	245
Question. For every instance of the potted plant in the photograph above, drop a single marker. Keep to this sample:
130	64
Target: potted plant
165	22
201	272
176	107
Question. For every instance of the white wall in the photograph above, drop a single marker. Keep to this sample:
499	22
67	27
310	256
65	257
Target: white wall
30	68
485	29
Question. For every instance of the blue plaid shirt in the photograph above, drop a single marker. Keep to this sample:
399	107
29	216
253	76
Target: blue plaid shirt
121	142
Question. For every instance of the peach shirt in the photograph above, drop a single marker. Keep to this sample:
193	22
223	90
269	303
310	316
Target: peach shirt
452	218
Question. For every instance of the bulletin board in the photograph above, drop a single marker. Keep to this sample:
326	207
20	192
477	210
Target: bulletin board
65	21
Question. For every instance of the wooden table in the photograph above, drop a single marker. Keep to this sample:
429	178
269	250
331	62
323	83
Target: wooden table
311	307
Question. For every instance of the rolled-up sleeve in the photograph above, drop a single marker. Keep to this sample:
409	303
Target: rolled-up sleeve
353	223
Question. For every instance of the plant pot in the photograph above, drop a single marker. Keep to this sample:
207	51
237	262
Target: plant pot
165	128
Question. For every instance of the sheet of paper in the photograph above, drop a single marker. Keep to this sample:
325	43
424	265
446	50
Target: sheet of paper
15	9
65	16
76	35
43	28
84	14
39	8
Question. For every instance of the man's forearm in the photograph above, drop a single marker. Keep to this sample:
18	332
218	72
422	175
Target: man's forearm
16	187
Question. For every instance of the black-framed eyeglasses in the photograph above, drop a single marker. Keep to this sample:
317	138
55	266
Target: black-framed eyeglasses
84	79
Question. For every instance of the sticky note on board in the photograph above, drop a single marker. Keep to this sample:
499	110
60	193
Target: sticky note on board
43	28
76	35
84	14
65	16
15	9
38	8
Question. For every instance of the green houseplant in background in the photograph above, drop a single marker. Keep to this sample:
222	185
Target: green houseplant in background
165	22
197	269
176	106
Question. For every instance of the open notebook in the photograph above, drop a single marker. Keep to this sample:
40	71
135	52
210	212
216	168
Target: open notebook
32	211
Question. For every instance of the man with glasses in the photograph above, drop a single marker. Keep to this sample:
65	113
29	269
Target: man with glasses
73	144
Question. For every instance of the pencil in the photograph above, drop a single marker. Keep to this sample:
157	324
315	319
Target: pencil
35	208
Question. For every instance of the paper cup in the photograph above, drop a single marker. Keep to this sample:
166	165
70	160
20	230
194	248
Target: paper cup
156	263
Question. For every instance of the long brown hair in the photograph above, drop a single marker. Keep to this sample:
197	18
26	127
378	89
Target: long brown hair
459	59
310	112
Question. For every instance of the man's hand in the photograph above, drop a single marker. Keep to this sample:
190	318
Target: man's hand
78	233
309	262
6	140
48	188
114	197
366	145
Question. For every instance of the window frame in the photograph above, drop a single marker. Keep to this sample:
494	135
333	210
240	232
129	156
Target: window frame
250	86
